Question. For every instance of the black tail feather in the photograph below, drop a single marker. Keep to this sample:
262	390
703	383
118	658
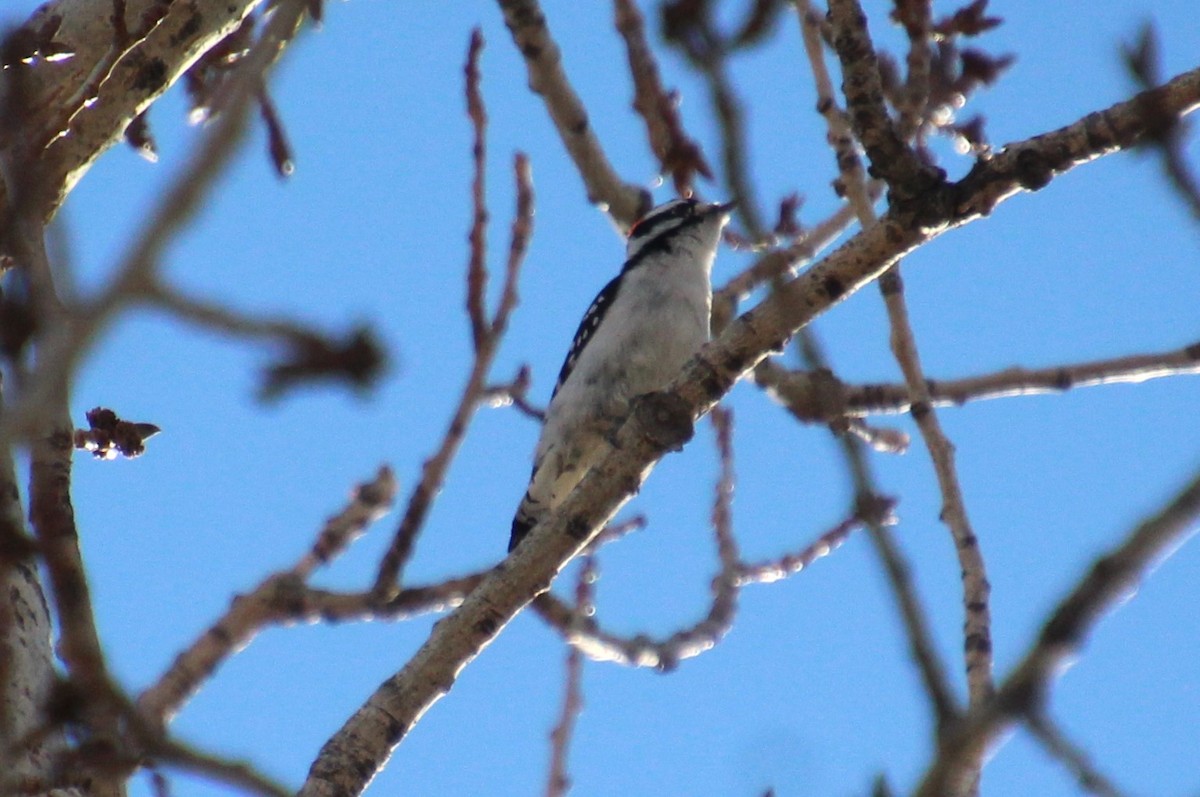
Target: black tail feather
520	527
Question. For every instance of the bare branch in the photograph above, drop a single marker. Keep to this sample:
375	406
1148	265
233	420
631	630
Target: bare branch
977	633
875	512
678	153
880	140
274	600
487	342
623	201
1073	757
138	266
350	757
477	266
315	604
1111	579
233	773
1132	369
355	359
820	397
558	783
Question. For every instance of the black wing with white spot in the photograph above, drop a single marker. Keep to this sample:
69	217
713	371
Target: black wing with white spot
587	328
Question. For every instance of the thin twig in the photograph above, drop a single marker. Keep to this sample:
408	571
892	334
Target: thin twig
305	354
1072	756
817	396
788	564
489	334
623	201
583	632
477	275
1111	579
558	782
220	318
515	393
872	509
679	155
1131	369
278	598
852	181
138	266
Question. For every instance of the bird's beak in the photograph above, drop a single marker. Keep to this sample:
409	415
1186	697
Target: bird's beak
726	208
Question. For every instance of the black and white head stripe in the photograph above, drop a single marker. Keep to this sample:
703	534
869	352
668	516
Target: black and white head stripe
654	230
649	235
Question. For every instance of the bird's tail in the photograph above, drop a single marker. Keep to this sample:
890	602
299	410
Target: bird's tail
522	523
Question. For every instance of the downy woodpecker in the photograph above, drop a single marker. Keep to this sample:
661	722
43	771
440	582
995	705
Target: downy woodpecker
633	339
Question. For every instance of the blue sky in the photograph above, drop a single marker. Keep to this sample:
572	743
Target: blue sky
812	692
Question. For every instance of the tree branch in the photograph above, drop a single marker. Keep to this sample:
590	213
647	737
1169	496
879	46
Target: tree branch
820	397
623	201
354	753
1111	579
115	72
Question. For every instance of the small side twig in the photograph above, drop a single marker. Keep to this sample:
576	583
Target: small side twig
487	334
558	782
816	396
1142	59
679	155
623	201
515	393
867	505
234	773
1054	739
139	264
1111	578
780	567
273	600
779	263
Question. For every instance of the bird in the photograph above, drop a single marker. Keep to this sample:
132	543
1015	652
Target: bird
634	338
